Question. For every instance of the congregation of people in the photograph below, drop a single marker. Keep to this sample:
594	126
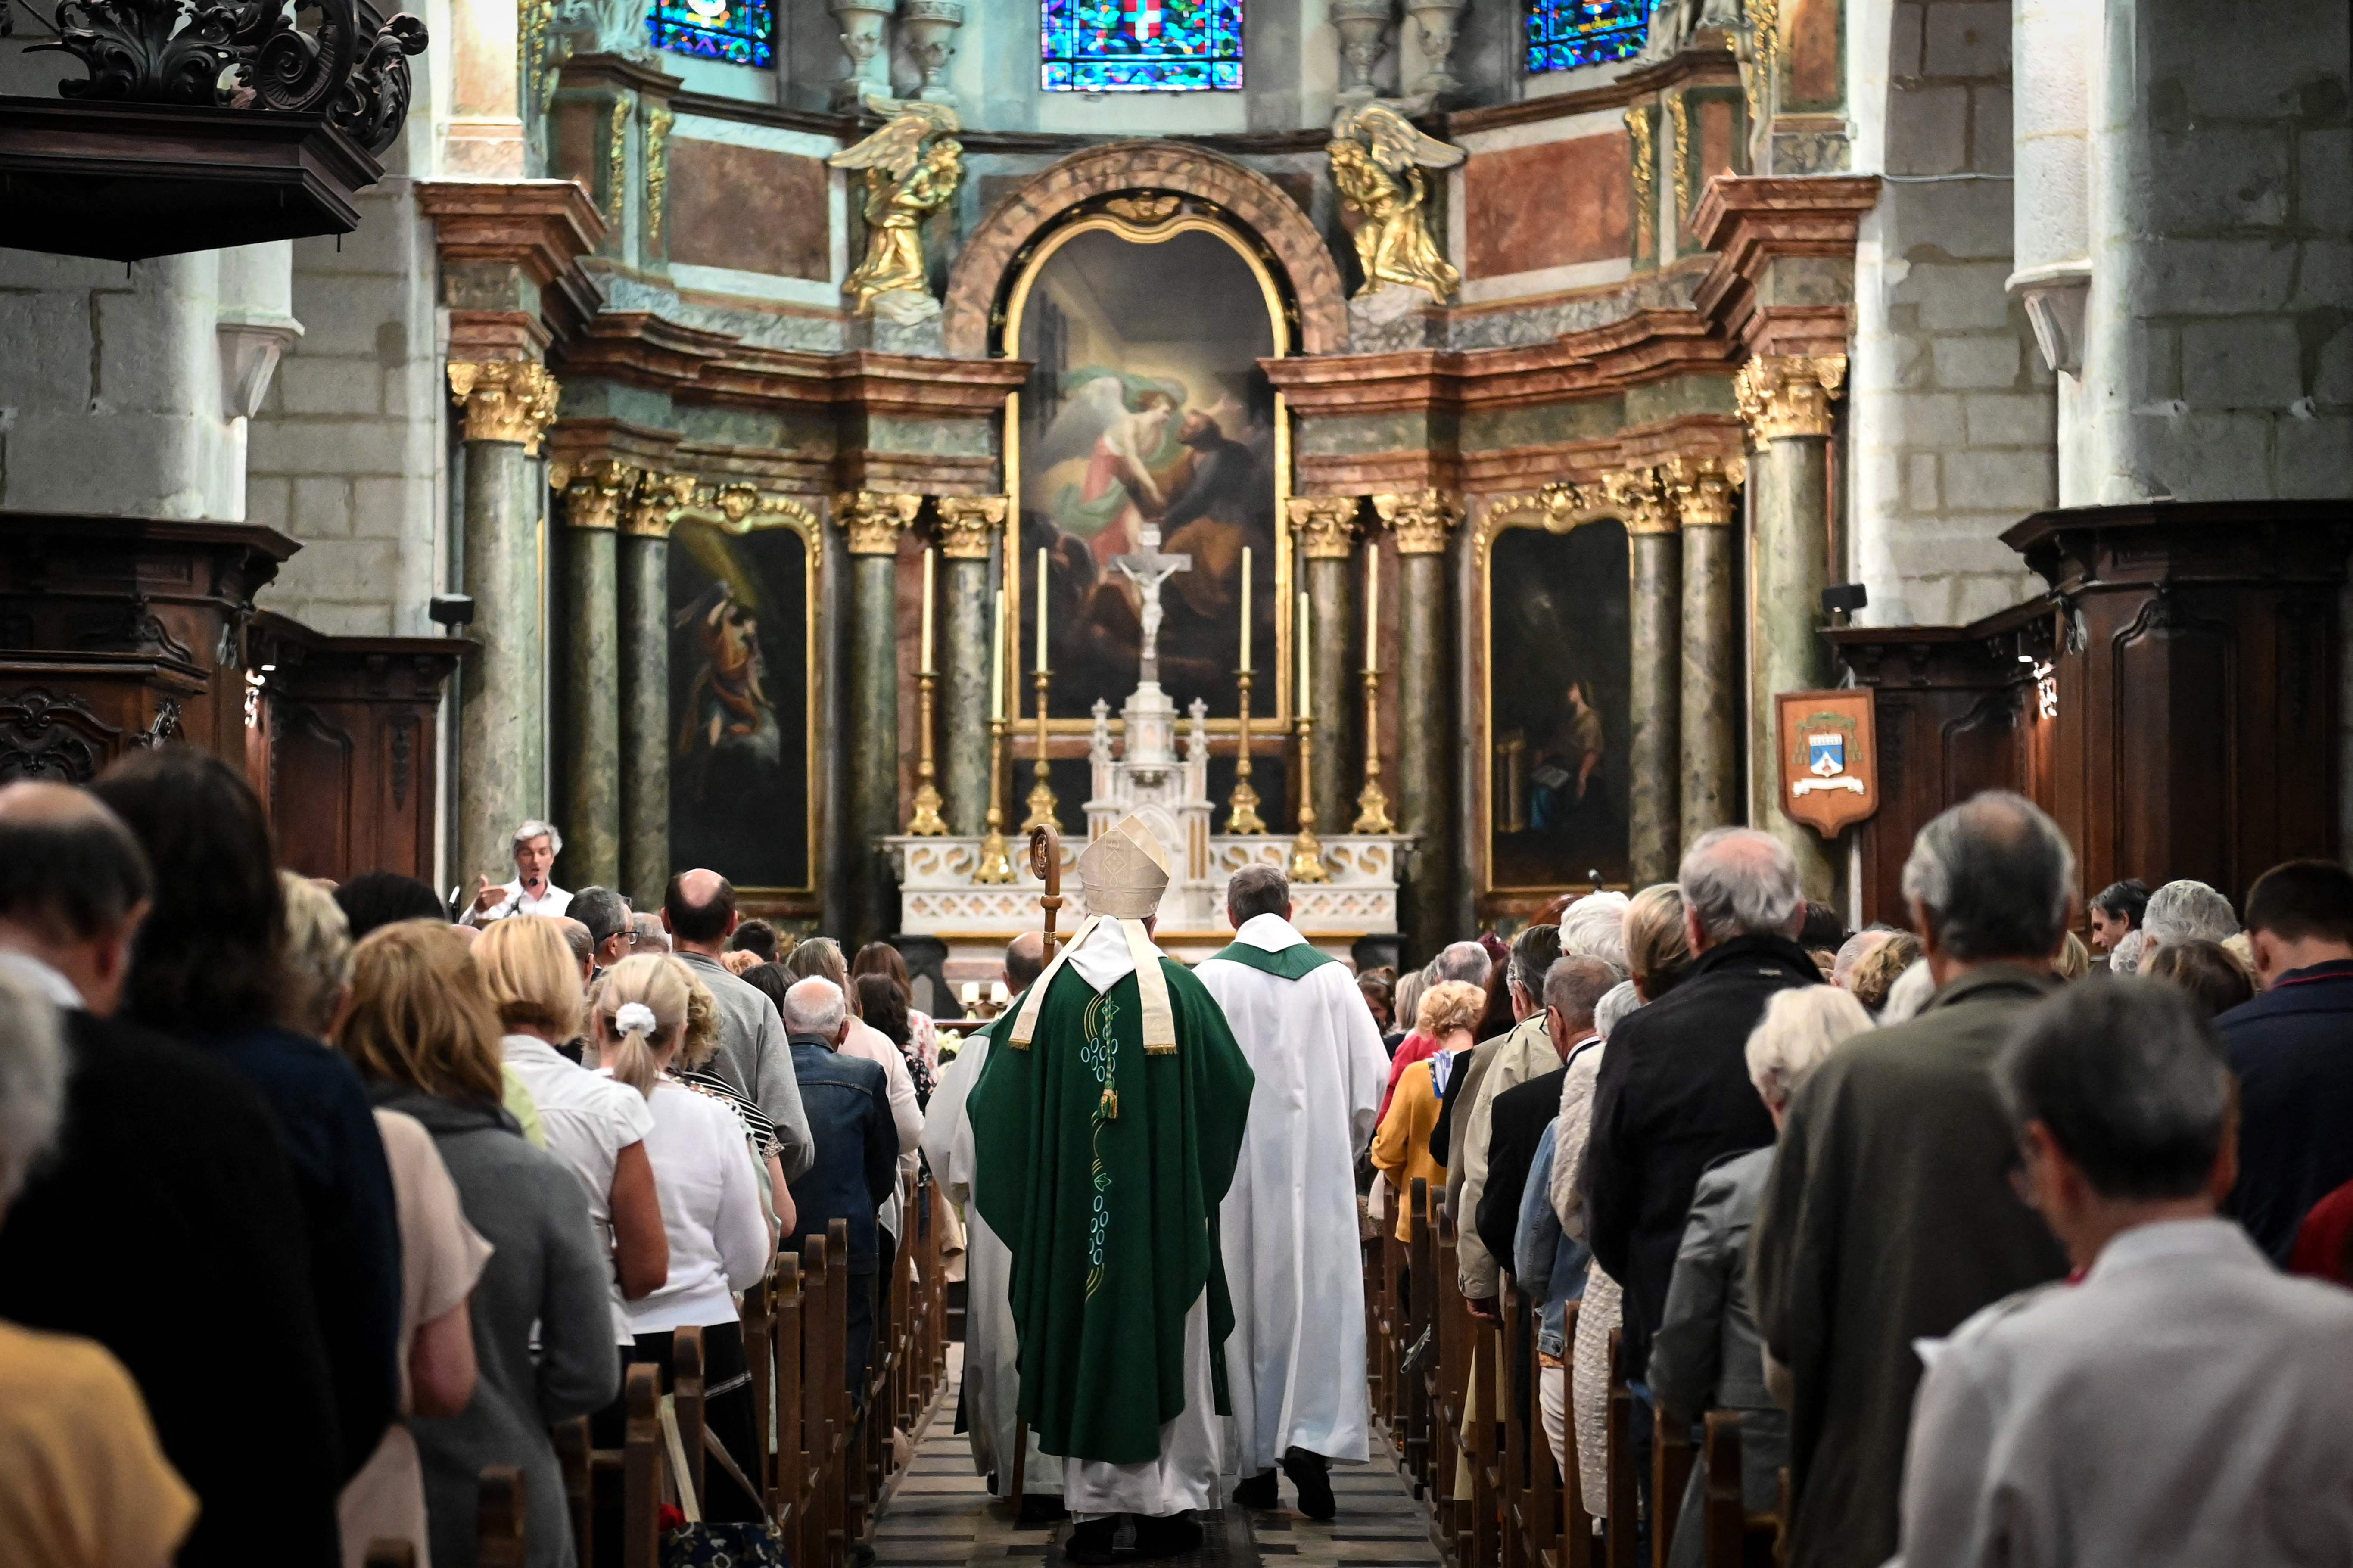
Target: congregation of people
2000	1246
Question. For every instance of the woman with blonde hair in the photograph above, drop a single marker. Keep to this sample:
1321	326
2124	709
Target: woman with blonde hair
423	1030
720	1242
1447	1012
593	1124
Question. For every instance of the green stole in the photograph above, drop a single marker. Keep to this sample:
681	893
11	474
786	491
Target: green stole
1102	1168
1294	963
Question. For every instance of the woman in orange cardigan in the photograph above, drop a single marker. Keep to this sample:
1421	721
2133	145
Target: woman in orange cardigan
1447	1014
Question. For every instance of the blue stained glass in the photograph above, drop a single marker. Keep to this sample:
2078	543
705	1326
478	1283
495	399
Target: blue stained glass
1141	46
742	32
1565	34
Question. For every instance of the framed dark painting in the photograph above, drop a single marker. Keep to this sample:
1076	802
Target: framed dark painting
1559	706
1147	407
741	666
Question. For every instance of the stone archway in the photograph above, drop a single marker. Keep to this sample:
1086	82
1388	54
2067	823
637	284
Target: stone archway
1254	201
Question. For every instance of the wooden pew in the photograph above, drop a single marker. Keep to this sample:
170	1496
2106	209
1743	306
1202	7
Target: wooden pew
573	1453
499	1518
687	1385
641	1469
1672	1459
1735	1537
1620	1539
1420	1447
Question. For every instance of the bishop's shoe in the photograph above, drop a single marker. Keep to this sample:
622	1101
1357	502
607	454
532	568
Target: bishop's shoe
1311	1475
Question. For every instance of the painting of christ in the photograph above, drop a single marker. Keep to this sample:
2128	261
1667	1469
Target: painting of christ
1146	407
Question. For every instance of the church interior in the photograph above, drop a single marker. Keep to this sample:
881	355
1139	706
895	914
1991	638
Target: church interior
1455	454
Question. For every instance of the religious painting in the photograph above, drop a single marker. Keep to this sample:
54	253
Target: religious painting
1565	34
739	699
1147	415
1560	706
1140	45
741	32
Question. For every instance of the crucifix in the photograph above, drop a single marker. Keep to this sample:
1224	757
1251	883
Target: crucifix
1148	569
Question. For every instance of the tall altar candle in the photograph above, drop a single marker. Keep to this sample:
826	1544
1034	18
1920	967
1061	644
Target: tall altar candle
997	660
1306	685
929	556
1373	610
1246	629
1041	608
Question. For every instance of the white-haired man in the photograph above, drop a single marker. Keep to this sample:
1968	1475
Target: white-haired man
1288	1227
535	845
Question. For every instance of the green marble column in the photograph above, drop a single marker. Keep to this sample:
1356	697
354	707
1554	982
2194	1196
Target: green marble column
502	776
1425	763
1787	399
1323	534
593	504
1655	630
643	640
968	526
1706	504
872	522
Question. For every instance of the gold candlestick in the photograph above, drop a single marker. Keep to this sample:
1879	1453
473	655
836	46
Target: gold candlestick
1306	849
925	823
996	860
1243	802
1372	804
1041	794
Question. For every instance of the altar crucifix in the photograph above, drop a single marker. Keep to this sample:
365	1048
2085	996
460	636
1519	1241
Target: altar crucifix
1147	568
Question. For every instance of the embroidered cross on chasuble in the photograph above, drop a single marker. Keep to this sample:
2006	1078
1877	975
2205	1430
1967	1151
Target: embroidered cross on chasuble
1105	1134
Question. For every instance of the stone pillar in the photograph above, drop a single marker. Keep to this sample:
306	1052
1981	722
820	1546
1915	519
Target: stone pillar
1324	532
2053	48
1786	401
592	504
968	527
503	715
1654	624
1705	506
643	640
1426	752
871	522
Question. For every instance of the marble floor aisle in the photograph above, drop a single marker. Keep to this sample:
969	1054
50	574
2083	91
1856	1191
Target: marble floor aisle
940	1514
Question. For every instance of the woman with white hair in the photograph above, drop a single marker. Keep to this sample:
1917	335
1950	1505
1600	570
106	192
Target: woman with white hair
83	1482
1706	1354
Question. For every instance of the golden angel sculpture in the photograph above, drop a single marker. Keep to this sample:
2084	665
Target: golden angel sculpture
912	165
1377	159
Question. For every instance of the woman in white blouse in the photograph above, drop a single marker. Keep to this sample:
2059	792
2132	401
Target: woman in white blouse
710	1185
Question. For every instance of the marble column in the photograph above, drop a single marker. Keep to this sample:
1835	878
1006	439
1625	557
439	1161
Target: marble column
593	504
1706	504
502	712
1424	521
968	529
643	641
1324	537
871	522
1786	400
1654	625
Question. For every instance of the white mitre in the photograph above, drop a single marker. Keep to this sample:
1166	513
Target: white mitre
1123	875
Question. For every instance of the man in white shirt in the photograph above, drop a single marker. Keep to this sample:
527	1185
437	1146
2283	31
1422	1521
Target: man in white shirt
537	845
2181	1402
1296	1363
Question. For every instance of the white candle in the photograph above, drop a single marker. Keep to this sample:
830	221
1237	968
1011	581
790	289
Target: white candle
996	661
1306	686
1245	624
928	558
1373	610
1042	611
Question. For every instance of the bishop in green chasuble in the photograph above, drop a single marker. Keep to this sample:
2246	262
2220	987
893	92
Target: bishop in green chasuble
1106	1126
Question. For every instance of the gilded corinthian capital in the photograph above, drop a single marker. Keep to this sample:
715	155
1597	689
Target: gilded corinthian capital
966	523
505	400
1645	503
873	520
654	505
597	494
1326	526
1422	519
1703	487
1785	396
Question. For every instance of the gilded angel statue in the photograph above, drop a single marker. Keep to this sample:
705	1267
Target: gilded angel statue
1377	159
912	165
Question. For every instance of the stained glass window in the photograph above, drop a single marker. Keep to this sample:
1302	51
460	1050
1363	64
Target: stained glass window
1565	34
1141	46
742	32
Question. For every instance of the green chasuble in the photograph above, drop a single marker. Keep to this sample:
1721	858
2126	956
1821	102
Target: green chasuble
1294	963
1102	1168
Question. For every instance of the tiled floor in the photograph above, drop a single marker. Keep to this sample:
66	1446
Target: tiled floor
941	1514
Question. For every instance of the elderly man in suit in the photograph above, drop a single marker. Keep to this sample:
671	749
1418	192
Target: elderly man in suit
2181	1402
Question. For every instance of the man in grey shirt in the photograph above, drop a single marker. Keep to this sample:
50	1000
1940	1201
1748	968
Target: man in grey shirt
699	912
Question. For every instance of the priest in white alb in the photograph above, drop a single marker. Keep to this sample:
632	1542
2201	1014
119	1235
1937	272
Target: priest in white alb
1288	1224
987	1404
